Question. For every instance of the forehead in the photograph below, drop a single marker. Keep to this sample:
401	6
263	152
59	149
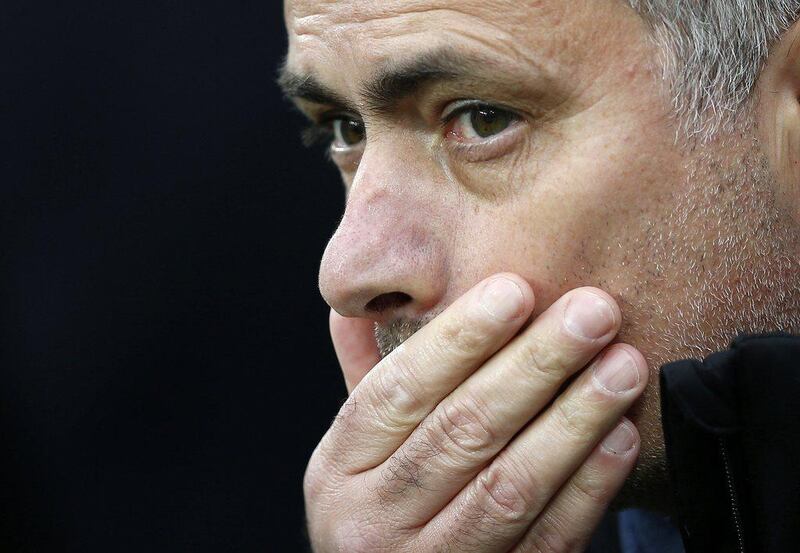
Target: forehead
554	35
326	12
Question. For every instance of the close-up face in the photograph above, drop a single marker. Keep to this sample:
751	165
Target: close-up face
535	137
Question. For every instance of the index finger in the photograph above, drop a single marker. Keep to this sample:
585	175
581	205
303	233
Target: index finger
406	385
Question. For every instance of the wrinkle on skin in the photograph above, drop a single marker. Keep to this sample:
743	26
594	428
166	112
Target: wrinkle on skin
594	192
382	20
516	173
552	55
340	12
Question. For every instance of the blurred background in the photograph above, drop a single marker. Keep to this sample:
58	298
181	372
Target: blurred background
165	366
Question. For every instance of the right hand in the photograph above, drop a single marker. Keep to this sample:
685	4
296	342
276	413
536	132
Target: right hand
459	439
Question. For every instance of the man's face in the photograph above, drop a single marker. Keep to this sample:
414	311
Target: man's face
533	137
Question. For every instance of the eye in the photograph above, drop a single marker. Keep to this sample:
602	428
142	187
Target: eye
474	122
347	133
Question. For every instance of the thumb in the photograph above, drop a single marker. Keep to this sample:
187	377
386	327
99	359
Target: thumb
354	342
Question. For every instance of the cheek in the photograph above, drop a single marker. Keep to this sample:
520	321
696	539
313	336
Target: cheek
508	236
570	216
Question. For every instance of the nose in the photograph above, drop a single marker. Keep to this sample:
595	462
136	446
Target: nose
387	259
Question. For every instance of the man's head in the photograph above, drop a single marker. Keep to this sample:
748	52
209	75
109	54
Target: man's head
573	143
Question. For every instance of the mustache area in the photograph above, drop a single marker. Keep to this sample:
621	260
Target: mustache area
389	336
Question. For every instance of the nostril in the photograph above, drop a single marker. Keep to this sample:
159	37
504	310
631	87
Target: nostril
384	302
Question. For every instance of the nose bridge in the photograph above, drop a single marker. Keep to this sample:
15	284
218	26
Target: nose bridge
388	243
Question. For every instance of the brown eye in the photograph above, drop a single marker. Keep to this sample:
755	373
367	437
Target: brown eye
348	133
486	121
475	122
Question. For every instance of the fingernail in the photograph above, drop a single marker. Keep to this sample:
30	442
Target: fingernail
621	440
502	298
617	371
588	315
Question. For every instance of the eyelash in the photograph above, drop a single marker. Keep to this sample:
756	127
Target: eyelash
321	132
462	106
317	134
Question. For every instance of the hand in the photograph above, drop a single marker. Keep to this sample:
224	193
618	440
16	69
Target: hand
459	439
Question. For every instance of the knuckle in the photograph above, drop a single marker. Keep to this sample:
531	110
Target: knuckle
463	338
400	474
547	539
537	360
463	428
575	424
501	497
397	391
592	489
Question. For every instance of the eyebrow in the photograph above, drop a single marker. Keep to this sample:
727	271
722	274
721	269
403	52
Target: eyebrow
307	87
388	86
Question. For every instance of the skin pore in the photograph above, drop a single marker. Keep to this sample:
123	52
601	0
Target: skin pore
579	180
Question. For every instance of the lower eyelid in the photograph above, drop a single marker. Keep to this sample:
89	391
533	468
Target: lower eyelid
490	148
347	159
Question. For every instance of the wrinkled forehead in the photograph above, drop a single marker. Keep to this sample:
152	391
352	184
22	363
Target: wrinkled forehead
358	33
334	11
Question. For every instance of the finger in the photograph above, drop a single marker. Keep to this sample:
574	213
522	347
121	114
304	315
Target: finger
568	522
505	498
354	343
407	384
483	414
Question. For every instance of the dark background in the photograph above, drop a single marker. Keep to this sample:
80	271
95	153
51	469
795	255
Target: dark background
165	367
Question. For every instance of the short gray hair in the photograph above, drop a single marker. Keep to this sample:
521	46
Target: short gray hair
713	53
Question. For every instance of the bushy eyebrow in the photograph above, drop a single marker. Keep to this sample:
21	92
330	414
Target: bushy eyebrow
388	86
307	87
392	84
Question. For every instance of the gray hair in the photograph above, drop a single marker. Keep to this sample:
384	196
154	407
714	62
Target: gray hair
713	52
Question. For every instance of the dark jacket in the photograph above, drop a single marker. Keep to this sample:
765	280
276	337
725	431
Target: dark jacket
732	431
